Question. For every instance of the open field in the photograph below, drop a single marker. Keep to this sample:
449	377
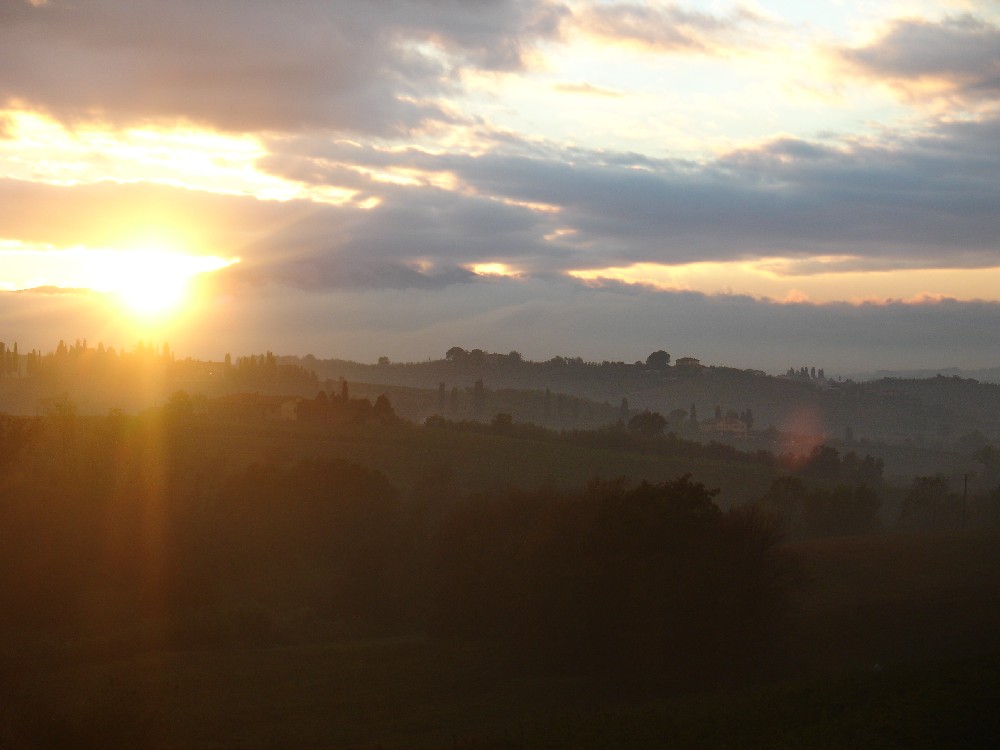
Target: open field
475	462
924	608
895	598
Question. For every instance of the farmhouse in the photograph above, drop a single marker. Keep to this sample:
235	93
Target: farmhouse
253	407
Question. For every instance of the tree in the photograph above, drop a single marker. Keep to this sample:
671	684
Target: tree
455	353
823	463
841	511
785	500
652	581
502	423
677	417
658	360
648	423
382	410
478	397
179	405
989	457
930	504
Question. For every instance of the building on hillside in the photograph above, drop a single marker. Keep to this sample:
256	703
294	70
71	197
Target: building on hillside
253	407
726	426
689	362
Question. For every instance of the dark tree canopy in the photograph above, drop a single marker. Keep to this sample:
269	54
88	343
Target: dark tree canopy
648	423
658	360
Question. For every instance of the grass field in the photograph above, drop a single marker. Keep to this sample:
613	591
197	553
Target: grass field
476	462
895	643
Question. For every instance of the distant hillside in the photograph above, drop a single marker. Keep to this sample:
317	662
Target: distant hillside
988	375
930	410
562	392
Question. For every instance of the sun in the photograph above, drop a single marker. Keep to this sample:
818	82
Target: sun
154	283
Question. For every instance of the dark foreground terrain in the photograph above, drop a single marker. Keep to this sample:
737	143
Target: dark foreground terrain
149	601
878	656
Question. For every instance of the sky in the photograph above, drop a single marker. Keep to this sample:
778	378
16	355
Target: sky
756	184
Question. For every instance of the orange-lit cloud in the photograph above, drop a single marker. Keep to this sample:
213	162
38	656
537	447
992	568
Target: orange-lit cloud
586	89
758	279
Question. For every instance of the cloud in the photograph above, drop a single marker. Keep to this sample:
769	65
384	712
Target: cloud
352	65
925	201
542	318
909	202
417	238
586	89
957	55
667	27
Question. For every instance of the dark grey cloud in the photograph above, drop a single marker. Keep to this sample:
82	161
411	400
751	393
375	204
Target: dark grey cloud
668	27
909	202
961	52
357	65
542	318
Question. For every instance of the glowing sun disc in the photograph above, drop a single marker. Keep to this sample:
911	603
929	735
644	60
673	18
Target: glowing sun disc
155	283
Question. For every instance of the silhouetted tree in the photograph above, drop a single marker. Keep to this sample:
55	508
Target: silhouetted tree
677	417
930	504
478	398
785	500
658	360
840	511
823	463
648	423
179	405
651	581
382	409
502	423
989	457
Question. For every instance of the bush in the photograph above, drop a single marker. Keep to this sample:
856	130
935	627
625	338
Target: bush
646	581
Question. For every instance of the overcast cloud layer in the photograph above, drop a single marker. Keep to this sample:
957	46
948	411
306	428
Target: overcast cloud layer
396	107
